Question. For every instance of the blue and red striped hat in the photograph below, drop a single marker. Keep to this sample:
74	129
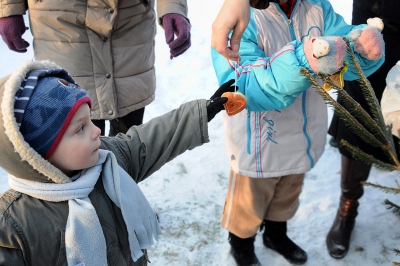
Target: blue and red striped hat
45	105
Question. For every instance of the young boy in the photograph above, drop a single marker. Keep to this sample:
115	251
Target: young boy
283	133
74	198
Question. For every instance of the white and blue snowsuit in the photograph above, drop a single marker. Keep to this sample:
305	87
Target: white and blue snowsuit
283	131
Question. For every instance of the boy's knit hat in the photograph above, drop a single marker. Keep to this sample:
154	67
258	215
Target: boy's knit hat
44	106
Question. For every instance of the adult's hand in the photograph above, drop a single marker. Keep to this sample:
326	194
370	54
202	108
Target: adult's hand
11	30
233	15
176	24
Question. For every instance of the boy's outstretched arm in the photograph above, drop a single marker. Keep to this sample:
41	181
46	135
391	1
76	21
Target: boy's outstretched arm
146	148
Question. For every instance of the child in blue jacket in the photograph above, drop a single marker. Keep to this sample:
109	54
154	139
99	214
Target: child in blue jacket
282	134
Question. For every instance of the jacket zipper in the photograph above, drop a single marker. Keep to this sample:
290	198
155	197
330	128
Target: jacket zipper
248	126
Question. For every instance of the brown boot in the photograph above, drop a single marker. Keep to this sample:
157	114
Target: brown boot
338	238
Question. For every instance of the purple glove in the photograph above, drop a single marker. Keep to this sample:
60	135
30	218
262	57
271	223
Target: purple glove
178	24
11	29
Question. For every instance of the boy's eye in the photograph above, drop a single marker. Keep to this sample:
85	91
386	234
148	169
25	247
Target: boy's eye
80	129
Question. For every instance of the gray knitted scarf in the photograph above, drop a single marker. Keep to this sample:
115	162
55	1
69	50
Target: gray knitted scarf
84	239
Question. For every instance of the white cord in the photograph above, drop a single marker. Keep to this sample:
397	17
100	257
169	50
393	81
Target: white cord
236	74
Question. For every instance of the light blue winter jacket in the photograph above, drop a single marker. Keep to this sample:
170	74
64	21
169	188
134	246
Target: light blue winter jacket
284	128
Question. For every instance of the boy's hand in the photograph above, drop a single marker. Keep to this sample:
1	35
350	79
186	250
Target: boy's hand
11	29
216	102
176	24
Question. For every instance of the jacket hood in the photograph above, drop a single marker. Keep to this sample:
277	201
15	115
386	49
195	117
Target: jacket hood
17	157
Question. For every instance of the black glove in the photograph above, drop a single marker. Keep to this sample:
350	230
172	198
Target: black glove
216	102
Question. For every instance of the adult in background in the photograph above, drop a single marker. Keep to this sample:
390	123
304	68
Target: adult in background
354	171
107	46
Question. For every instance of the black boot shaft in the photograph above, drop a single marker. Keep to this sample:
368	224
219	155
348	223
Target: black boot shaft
242	250
274	229
275	238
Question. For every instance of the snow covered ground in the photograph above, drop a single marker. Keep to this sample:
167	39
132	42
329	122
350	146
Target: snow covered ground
189	192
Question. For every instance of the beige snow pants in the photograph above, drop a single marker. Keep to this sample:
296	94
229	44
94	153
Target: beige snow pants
250	200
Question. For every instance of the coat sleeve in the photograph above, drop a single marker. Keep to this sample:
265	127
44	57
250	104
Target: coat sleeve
10	244
12	7
11	257
171	6
146	148
336	26
274	82
264	80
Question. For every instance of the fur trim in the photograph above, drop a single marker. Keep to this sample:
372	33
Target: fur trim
28	154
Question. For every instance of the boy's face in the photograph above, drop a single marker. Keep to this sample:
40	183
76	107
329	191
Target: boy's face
79	147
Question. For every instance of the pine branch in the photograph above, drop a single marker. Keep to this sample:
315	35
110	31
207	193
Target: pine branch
393	207
378	117
383	188
383	132
369	159
349	120
370	128
372	102
367	89
358	112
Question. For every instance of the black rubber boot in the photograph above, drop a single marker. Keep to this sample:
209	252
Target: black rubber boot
275	238
338	238
242	250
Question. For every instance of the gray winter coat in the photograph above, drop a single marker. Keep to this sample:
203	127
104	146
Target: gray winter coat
107	46
32	231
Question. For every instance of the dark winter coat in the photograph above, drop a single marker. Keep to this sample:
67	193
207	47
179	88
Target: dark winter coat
107	46
389	12
32	231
